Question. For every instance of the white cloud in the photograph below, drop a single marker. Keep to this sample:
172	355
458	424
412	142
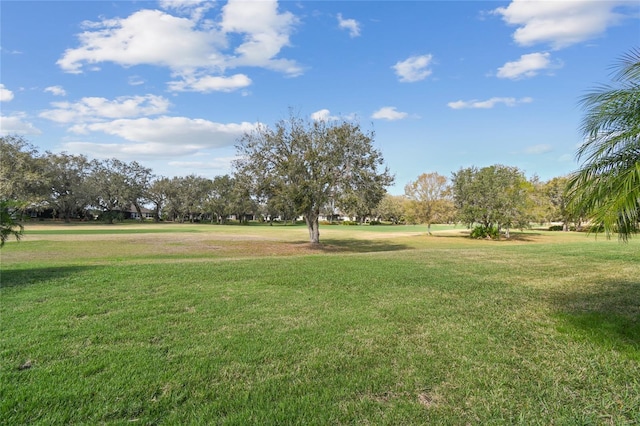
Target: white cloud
136	80
16	123
96	109
179	133
265	30
323	115
210	83
56	90
5	94
389	113
192	48
538	149
149	37
559	23
216	163
193	8
489	103
129	150
527	66
351	25
414	69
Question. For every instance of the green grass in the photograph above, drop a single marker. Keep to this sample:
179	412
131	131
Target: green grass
251	325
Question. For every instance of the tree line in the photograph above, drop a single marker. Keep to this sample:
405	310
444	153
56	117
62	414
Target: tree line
74	187
311	181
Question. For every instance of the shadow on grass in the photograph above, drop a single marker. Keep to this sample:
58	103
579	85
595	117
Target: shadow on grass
26	277
329	245
514	236
608	316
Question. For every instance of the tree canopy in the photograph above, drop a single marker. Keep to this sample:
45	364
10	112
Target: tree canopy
310	164
493	197
429	199
606	187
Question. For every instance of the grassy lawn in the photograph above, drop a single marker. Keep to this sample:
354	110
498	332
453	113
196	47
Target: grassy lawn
205	324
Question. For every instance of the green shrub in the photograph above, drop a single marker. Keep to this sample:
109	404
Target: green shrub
350	222
375	222
481	232
556	228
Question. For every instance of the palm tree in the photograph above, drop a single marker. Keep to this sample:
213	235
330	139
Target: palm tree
606	187
8	225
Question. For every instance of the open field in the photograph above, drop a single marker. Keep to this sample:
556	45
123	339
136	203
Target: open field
204	324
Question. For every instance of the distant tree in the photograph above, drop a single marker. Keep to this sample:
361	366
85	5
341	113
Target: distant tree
493	197
539	201
108	188
157	195
66	176
22	175
360	203
189	196
307	164
242	203
139	179
9	225
391	208
555	191
607	185
220	198
427	197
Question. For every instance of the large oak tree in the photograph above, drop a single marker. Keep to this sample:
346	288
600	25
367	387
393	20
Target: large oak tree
310	164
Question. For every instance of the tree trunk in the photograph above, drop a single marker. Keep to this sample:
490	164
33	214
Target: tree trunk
429	228
138	210
313	226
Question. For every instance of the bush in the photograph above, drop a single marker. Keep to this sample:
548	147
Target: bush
375	222
482	232
556	228
350	222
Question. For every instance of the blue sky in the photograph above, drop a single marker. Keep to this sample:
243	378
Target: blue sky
444	84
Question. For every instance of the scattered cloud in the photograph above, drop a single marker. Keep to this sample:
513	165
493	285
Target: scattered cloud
351	25
136	80
173	133
16	124
149	37
559	23
5	94
216	163
194	49
192	8
96	109
413	69
56	90
131	150
528	65
10	52
489	103
210	83
389	113
323	115
265	32
538	149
